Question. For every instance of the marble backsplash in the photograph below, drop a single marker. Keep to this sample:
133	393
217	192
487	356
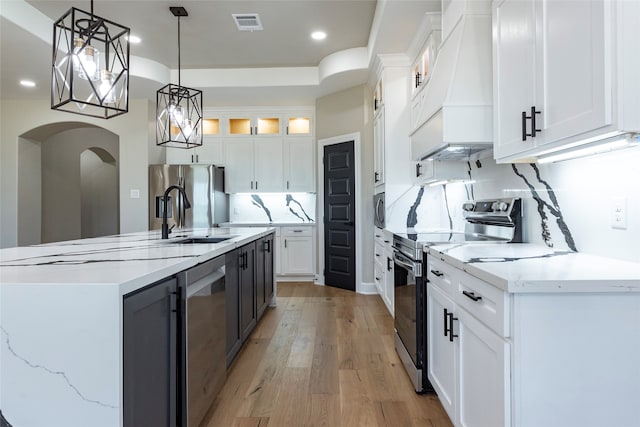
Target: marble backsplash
272	207
567	205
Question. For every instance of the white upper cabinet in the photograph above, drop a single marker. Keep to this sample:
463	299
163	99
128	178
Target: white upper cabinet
210	152
253	165
562	74
378	147
299	165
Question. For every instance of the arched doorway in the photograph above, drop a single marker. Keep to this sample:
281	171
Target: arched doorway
54	194
98	193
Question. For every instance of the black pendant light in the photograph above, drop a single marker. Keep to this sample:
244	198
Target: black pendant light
178	109
90	71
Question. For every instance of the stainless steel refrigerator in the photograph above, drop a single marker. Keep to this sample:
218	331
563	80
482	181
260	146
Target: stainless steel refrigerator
204	186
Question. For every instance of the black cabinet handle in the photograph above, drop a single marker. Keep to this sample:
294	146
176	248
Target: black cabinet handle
445	318
375	177
471	295
287	130
389	264
267	245
437	273
418	79
534	127
418	169
451	334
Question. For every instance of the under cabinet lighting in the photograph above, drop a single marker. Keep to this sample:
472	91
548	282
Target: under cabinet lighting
28	83
597	147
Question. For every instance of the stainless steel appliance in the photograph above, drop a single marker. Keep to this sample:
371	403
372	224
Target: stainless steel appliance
204	186
378	210
203	355
495	220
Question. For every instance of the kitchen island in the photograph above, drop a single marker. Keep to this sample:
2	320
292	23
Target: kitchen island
524	335
61	319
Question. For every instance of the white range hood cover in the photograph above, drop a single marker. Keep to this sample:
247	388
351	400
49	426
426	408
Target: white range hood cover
456	119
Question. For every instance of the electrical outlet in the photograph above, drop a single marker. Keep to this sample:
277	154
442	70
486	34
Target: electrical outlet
134	194
619	213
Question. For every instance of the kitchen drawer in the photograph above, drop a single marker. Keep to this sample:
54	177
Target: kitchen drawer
485	302
379	254
442	275
297	231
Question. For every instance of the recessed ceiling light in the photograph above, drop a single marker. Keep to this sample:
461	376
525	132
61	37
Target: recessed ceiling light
28	83
134	39
318	35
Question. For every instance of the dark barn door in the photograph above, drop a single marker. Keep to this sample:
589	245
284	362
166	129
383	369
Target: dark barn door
339	216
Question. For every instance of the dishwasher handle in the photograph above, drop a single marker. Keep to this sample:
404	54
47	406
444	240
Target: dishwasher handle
414	267
199	285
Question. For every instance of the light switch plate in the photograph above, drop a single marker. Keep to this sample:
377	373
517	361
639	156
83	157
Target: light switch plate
619	213
135	194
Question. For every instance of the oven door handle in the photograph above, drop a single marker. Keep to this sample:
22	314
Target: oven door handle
403	261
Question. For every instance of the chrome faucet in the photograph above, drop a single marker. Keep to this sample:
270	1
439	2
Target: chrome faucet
165	197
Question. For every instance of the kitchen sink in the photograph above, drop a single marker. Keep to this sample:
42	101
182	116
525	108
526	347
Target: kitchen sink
202	239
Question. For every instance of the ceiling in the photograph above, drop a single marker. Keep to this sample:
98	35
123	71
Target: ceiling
280	65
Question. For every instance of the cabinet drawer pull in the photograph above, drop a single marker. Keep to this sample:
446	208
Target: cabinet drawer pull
376	177
524	126
298	231
418	169
437	273
389	264
471	295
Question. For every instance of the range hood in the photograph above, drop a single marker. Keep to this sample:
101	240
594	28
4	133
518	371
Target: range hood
455	121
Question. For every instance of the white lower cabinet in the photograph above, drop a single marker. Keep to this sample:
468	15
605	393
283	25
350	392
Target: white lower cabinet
469	363
442	352
484	374
297	249
383	267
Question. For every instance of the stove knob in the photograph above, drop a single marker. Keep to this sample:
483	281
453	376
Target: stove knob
502	206
468	207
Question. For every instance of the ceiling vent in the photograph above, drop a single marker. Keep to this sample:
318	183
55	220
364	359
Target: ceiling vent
247	21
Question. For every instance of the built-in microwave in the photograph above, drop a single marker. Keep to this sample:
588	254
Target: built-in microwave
378	210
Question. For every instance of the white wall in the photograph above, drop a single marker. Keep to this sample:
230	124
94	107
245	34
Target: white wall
343	113
30	191
98	195
136	134
580	192
62	210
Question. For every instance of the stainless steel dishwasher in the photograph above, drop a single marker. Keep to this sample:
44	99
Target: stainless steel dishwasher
204	341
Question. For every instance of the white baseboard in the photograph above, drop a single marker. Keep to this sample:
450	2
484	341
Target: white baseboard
367	288
295	278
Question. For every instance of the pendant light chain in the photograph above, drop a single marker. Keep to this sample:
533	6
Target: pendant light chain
179	81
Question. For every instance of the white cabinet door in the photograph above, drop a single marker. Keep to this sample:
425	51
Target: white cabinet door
211	152
575	46
389	299
238	172
514	64
180	156
553	61
442	352
378	147
268	164
484	367
299	165
297	255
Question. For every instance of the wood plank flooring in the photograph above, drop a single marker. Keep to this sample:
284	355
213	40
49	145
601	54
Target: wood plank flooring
322	357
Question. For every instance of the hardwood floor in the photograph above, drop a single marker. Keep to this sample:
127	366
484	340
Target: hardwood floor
322	357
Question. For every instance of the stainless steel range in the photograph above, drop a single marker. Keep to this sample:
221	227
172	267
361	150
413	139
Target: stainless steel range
486	221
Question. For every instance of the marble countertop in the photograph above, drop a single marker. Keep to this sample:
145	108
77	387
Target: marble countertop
524	267
268	224
129	261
